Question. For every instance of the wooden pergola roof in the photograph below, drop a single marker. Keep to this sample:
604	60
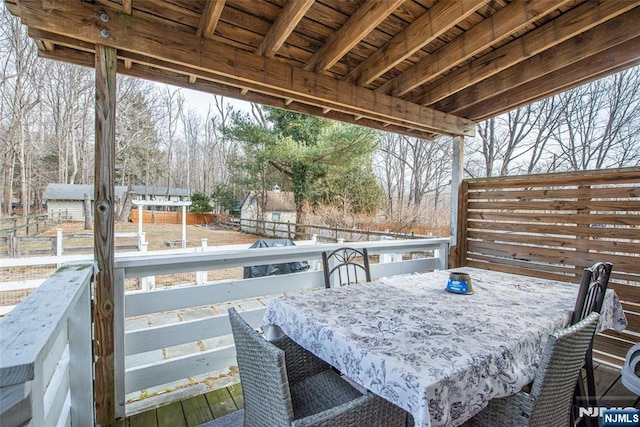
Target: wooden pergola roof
417	67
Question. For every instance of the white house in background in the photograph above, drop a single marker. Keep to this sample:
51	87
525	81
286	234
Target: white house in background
160	194
279	206
69	199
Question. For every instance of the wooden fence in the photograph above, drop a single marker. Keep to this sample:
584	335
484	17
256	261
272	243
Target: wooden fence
287	230
555	225
31	224
158	217
30	246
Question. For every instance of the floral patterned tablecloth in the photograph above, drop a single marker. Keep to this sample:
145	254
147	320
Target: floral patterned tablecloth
438	355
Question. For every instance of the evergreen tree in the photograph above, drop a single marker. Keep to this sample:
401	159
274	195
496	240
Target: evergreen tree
315	156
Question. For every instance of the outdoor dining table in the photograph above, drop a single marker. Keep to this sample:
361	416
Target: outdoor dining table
440	356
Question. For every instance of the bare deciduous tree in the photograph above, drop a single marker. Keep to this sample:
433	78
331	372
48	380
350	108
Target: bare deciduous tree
20	97
414	173
600	123
172	102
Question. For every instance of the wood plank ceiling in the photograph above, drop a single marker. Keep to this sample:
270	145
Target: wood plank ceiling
416	67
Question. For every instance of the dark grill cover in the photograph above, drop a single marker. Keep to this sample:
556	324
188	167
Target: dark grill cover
274	269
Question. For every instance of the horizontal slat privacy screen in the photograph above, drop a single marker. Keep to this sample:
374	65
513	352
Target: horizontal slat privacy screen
554	226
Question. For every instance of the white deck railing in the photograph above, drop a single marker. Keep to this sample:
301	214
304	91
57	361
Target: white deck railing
45	339
146	339
46	372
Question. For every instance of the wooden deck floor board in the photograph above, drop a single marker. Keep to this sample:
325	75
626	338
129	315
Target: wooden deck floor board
196	410
605	377
171	415
144	419
220	402
236	394
612	392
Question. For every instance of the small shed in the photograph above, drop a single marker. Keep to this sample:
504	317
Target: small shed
279	206
68	199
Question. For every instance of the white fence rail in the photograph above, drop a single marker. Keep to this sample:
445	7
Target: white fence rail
46	372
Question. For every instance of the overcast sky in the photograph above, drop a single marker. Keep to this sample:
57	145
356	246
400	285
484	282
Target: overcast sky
200	101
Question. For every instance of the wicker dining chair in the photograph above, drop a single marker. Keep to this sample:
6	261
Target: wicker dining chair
549	402
593	288
344	265
285	385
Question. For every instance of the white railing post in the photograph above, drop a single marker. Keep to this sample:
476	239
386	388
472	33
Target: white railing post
81	362
139	219
201	276
147	283
59	244
38	388
387	257
333	279
184	227
443	255
142	241
315	264
118	341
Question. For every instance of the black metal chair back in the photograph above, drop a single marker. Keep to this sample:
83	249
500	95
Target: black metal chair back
347	265
593	287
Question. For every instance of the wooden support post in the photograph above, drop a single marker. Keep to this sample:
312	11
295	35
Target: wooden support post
457	172
104	194
582	234
463	215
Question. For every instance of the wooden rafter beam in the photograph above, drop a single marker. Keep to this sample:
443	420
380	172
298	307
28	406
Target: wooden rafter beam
574	22
303	104
207	59
488	32
426	28
307	101
291	14
210	16
618	58
49	46
598	39
84	58
127	7
361	23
